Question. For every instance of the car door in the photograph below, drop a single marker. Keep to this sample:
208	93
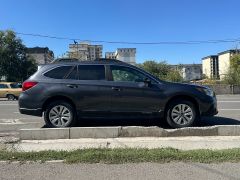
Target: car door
131	92
88	89
82	84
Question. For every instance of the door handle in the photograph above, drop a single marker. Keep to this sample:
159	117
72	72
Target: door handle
72	86
116	89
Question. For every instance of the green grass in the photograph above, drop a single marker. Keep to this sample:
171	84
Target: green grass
118	156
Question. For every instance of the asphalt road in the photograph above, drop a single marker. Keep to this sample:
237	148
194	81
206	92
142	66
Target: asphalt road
141	171
228	106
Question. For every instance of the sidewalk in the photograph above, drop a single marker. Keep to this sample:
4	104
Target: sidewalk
183	143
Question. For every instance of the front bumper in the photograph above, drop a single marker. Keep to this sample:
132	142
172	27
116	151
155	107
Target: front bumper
211	111
211	108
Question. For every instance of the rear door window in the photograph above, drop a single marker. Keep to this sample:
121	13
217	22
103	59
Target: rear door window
73	74
91	72
59	72
3	86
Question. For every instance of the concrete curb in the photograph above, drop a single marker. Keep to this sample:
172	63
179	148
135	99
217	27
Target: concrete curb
132	131
44	134
17	126
93	132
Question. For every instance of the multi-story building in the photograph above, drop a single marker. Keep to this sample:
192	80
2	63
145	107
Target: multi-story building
42	55
189	72
85	51
224	61
127	55
210	67
110	55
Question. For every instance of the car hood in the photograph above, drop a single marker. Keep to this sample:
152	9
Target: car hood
186	84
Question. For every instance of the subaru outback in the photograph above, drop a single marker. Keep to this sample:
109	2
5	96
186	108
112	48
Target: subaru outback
66	92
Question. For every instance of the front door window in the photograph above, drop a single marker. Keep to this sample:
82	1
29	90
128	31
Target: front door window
124	74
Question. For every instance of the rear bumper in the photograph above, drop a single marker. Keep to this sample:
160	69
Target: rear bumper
33	112
29	105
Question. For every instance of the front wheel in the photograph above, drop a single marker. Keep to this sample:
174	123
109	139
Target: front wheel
59	114
181	114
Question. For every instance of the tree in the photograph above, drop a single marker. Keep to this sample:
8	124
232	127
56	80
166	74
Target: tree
161	70
174	76
233	75
15	65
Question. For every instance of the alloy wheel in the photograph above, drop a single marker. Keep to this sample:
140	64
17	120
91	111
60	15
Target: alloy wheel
60	116
182	114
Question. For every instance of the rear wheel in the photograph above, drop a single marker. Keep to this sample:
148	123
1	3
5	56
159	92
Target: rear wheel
59	114
181	113
11	97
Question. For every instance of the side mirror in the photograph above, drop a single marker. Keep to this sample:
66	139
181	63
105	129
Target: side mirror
147	82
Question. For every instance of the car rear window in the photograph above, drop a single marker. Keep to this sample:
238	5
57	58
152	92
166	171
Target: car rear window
91	72
59	72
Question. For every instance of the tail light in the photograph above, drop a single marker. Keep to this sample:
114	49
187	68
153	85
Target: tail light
28	84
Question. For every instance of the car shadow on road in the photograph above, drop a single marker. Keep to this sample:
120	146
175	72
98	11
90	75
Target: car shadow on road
217	120
119	122
204	122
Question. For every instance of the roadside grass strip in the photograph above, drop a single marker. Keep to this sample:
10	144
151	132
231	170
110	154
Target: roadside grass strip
120	156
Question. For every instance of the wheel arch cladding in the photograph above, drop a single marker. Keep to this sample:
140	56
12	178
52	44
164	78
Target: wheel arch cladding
182	97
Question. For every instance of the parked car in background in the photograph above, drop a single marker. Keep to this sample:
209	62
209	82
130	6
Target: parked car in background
10	90
67	92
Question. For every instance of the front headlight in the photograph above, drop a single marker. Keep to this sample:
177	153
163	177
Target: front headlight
207	91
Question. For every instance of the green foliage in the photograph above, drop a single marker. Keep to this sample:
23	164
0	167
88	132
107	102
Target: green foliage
233	75
161	70
14	63
174	76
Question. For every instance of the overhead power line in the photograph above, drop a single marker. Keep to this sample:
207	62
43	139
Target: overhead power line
136	43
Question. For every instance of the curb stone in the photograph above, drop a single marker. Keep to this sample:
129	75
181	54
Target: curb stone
129	131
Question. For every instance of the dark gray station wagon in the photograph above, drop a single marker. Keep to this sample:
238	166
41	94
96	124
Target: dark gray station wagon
67	92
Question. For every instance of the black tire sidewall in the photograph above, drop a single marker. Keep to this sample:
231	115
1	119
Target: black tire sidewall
10	95
56	103
170	108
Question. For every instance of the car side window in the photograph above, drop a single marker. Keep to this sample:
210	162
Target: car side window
14	86
3	86
120	73
91	72
73	74
59	72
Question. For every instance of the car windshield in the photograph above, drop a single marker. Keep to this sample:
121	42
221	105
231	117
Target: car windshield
15	85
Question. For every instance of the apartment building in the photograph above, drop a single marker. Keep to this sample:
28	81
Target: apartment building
85	51
210	67
189	72
110	55
42	55
224	61
127	55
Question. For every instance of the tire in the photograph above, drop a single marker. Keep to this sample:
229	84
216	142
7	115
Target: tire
181	113
11	97
59	114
